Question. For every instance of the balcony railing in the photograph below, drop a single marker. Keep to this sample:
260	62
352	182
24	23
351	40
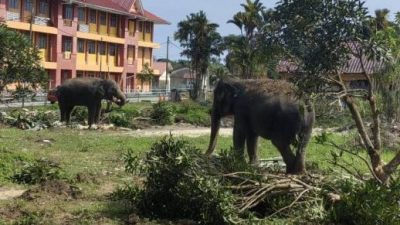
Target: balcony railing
83	28
44	21
13	16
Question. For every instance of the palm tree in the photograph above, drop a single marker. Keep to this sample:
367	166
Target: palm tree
381	18
200	41
248	53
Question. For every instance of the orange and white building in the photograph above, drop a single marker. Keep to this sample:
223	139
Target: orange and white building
87	38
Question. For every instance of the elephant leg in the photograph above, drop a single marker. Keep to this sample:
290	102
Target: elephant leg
97	113
62	112
288	157
300	165
91	114
239	138
251	141
68	112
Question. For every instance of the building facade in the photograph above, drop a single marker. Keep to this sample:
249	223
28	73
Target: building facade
87	38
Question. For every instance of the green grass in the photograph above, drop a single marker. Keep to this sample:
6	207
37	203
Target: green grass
99	154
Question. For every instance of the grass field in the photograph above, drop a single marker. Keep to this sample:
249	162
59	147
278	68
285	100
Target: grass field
92	162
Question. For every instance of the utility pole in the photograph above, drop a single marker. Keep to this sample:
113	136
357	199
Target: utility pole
31	37
167	68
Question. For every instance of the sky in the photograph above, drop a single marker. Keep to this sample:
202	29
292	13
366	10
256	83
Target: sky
217	11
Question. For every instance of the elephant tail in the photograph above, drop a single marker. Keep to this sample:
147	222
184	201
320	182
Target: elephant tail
304	134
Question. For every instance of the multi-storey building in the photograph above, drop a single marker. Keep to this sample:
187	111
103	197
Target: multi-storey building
95	38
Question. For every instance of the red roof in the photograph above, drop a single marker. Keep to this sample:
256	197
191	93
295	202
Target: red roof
123	7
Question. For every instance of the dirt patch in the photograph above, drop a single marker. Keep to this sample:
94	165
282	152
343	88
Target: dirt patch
7	194
52	187
176	130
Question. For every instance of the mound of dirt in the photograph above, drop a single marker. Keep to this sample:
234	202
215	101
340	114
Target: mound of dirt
52	187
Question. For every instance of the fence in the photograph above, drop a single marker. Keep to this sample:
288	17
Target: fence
7	100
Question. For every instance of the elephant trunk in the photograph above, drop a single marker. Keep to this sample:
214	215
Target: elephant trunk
121	98
215	124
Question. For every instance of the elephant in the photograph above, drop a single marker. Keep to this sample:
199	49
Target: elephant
267	108
87	92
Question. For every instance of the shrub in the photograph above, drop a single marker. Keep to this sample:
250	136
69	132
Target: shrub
38	171
118	119
79	114
178	187
367	203
163	113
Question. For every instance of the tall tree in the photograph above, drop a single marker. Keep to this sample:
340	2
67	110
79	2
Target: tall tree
381	18
248	54
321	35
200	41
19	61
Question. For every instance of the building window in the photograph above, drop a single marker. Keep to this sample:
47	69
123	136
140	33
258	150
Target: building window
93	16
42	41
140	24
91	47
103	18
68	12
102	48
67	44
131	27
82	15
113	20
112	49
131	54
28	5
13	4
148	27
43	8
81	46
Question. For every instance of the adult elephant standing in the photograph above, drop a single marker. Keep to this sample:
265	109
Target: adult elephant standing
87	92
265	108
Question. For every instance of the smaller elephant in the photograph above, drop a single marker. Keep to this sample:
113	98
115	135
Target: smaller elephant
87	92
265	108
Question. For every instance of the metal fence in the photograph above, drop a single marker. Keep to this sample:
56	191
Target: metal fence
155	95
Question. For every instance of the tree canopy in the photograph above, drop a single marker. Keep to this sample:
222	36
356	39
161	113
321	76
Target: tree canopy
200	41
19	61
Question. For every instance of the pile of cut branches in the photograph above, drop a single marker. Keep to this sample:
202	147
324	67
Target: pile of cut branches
225	189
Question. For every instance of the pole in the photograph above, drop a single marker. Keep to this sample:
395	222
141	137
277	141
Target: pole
31	21
31	37
166	67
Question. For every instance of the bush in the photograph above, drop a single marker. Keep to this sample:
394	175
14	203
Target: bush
118	119
79	114
178	187
193	113
367	203
163	113
39	171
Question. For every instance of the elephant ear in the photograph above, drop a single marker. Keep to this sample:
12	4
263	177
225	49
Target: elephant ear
232	89
100	92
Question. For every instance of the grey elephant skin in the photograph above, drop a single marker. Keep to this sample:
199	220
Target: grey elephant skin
266	108
87	92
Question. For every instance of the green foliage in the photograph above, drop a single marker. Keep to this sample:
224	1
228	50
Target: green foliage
25	119
193	113
79	114
146	74
163	113
251	55
176	182
38	171
200	41
19	61
118	119
10	162
366	203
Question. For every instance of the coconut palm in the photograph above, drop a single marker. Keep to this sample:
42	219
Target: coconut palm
200	41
